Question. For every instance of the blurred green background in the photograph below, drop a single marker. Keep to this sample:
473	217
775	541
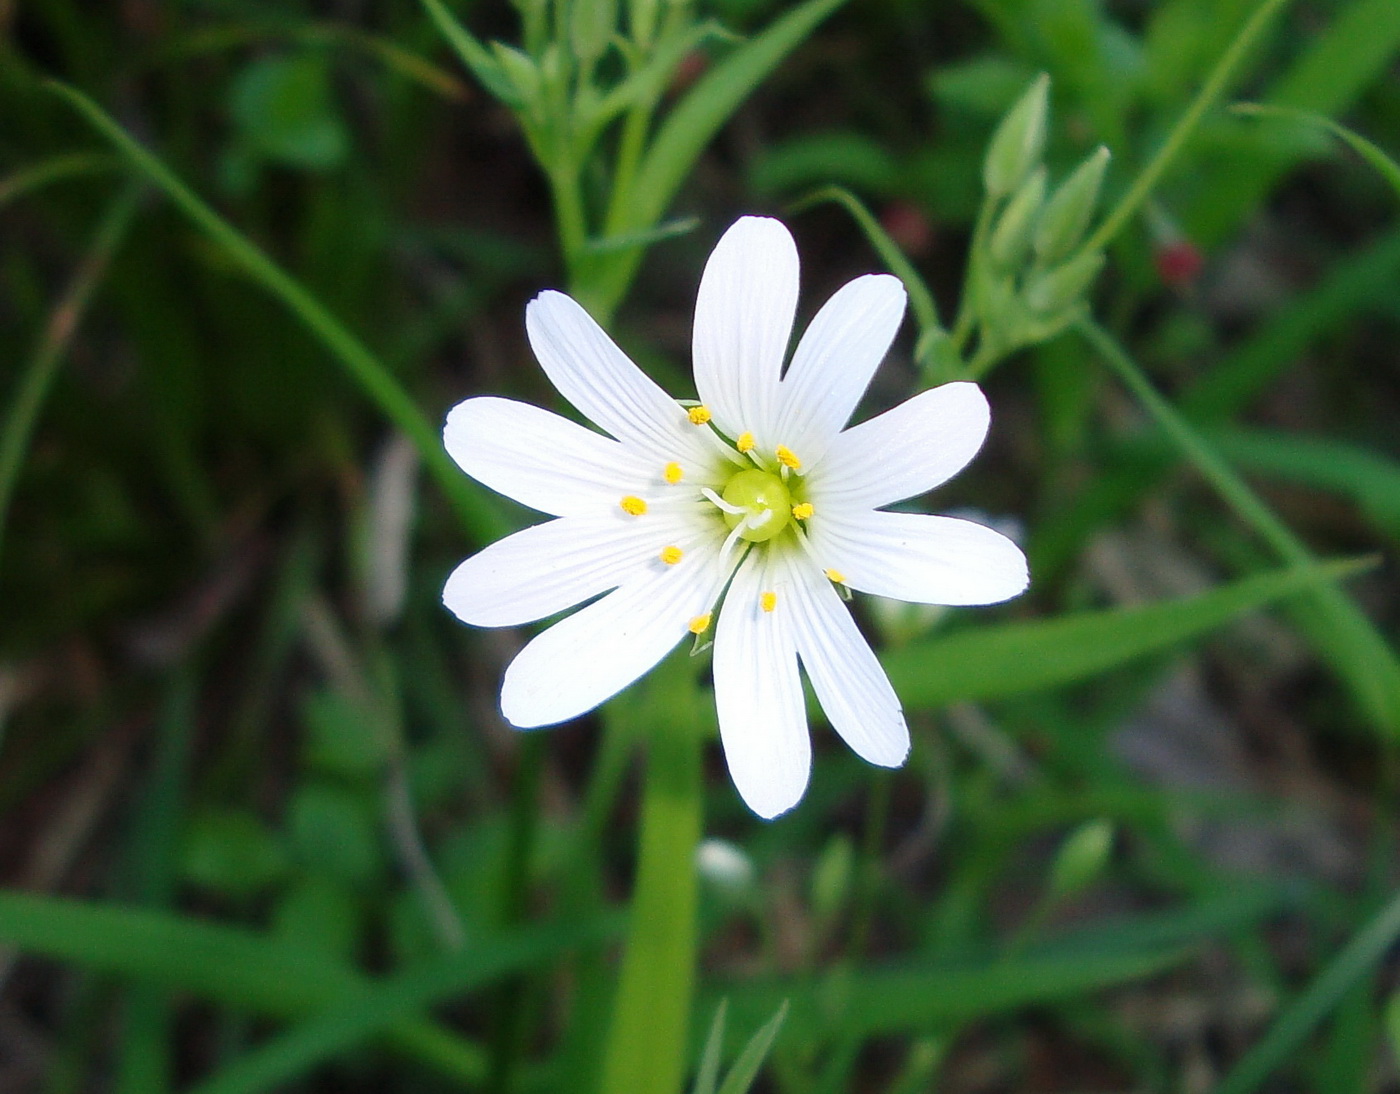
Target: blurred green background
252	776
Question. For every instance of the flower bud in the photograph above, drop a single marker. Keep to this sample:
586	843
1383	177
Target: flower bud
520	73
1055	290
1081	858
726	868
1017	143
1012	234
591	27
1068	212
832	877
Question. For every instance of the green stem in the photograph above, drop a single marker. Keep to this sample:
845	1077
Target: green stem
480	517
967	308
1210	91
38	374
646	1048
1349	640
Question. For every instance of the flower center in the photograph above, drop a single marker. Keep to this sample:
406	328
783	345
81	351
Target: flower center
764	501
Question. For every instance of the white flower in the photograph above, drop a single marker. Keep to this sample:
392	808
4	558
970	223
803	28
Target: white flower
745	513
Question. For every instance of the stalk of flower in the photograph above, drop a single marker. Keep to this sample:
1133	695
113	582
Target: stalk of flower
746	515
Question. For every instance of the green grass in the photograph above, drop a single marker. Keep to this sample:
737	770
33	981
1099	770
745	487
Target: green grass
263	826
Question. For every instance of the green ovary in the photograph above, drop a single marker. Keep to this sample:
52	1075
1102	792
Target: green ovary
758	492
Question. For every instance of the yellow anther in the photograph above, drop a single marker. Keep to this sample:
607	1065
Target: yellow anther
671	555
745	442
768	601
836	576
803	510
788	458
698	415
701	623
673	473
633	505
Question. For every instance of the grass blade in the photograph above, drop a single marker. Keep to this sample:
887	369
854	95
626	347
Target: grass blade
1359	958
1345	637
476	512
1015	657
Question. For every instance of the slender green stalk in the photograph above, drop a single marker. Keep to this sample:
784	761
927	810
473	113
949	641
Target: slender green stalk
921	301
478	516
1210	92
646	1048
38	373
1358	653
35	176
1357	959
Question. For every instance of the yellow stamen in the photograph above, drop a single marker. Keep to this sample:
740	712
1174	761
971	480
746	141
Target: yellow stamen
698	415
745	442
633	505
788	458
701	623
768	601
803	510
671	555
836	576
673	473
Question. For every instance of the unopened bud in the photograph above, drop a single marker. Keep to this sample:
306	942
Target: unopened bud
1012	235
1081	858
591	28
725	867
831	879
1017	143
1178	263
1055	290
520	72
1069	209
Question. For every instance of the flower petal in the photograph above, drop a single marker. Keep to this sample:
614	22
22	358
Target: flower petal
602	382
848	680
552	566
743	319
758	693
589	657
904	452
834	362
538	458
927	560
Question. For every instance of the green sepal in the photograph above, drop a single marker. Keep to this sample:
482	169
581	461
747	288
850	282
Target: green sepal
1011	238
1016	145
1070	208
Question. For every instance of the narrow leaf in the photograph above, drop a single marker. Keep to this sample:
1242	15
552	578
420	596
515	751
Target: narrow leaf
1014	657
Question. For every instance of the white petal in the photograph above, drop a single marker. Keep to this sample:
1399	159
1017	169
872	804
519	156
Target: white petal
552	566
849	681
589	657
927	560
743	319
540	459
834	362
603	383
758	693
904	452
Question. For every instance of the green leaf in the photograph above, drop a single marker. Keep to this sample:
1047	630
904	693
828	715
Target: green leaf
474	55
694	122
1013	657
936	995
1386	167
283	108
1287	1035
1371	481
707	1077
745	1069
231	852
478	513
349	1022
